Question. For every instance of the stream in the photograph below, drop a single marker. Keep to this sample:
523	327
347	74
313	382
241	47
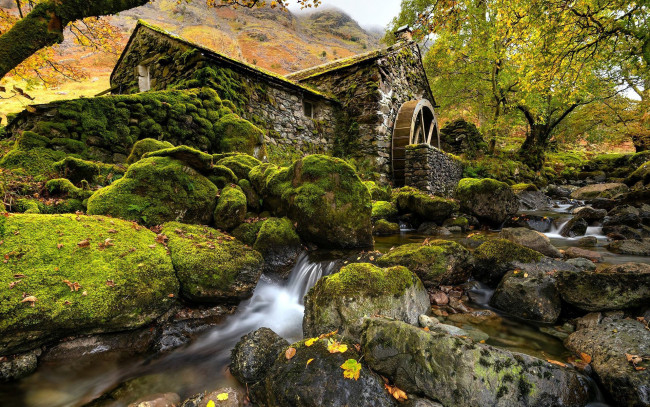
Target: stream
277	304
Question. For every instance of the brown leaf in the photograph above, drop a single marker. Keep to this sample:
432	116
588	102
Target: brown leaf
112	231
396	392
84	243
19	276
171	295
160	238
110	283
585	358
639	368
357	347
73	286
59	246
555	362
291	352
152	246
13	284
31	299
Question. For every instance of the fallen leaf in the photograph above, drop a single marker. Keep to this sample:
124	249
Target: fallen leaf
310	341
327	335
291	352
351	369
84	243
73	286
555	362
336	347
84	293
59	246
639	368
396	392
31	299
426	328
525	275
634	359
357	346
309	361
171	295
13	284
222	396
110	283
210	404
152	246
19	276
585	358
112	231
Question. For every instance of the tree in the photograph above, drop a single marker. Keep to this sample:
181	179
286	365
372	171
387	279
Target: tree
518	59
44	25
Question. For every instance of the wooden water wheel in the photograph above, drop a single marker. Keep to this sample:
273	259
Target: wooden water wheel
416	123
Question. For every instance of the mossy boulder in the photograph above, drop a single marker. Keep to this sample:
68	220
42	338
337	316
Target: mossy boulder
385	228
77	170
79	274
222	176
641	174
197	159
384	210
491	201
495	257
147	145
240	164
279	244
323	195
38	162
254	353
439	262
594	191
62	187
212	267
531	239
156	190
247	231
341	301
240	136
377	192
231	208
427	207
458	372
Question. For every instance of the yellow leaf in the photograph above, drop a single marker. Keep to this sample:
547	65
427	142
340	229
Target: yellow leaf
222	396
351	369
210	404
310	341
336	346
309	361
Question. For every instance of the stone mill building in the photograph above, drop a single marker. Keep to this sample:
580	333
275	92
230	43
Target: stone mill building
371	106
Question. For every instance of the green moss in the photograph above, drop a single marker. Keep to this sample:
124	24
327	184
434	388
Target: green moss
383	210
27	206
147	145
239	135
28	140
63	187
211	266
47	250
468	186
192	157
500	251
524	187
155	190
378	193
240	164
77	170
247	231
275	234
383	228
365	278
38	162
641	174
428	207
222	176
231	208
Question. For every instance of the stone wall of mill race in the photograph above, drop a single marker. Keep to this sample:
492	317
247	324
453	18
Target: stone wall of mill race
432	170
272	103
371	93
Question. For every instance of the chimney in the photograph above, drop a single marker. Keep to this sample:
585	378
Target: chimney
404	33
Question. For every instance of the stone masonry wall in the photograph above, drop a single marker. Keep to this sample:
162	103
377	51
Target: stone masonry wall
274	107
371	94
431	170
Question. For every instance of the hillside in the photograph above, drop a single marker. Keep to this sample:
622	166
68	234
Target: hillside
275	40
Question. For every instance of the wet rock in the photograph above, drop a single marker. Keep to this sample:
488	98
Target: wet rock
533	200
18	366
489	200
230	211
432	229
639	247
588	241
341	301
158	400
608	190
531	239
612	288
439	298
623	215
254	353
494	258
101	346
574	227
622	232
607	341
582	264
528	292
436	263
541	224
235	398
279	244
433	325
383	227
458	372
314	377
577	252
590	214
426	207
415	401
556	191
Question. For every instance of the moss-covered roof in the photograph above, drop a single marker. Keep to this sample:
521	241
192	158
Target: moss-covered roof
343	63
230	62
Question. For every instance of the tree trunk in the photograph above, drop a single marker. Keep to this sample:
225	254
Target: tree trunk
534	147
44	25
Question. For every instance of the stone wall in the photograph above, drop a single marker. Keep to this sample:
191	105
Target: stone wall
371	93
271	102
432	170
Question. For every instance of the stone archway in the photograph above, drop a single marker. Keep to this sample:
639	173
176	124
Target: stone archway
416	123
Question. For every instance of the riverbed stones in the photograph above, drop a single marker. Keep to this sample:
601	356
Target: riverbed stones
608	190
574	227
212	267
494	258
79	274
579	252
18	366
612	288
279	244
459	372
254	353
341	301
589	214
607	341
491	201
531	239
640	247
438	262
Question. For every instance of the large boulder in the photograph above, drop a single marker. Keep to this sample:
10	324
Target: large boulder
615	287
323	196
426	207
607	341
212	267
144	146
384	210
239	164
156	190
494	258
279	244
574	227
341	301
254	353
528	292
458	372
71	274
594	191
491	201
439	262
313	376
640	247
531	239
230	211
641	174
240	136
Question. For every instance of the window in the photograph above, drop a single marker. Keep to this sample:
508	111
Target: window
308	108
144	83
